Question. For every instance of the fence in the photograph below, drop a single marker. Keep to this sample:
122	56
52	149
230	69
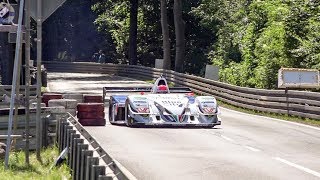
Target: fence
48	124
298	103
19	122
86	158
4	103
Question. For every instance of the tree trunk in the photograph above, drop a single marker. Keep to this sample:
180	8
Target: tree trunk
179	25
165	35
133	32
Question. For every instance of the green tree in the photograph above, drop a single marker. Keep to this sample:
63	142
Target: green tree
165	35
256	38
113	21
179	25
133	32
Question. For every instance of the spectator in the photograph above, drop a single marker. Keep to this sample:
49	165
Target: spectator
95	57
102	57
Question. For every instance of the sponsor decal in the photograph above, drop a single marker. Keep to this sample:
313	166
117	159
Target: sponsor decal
207	98
178	118
142	102
173	103
142	89
139	98
208	104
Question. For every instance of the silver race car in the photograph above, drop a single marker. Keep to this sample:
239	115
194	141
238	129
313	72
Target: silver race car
161	106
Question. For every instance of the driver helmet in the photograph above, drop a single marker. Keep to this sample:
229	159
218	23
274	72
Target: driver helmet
162	89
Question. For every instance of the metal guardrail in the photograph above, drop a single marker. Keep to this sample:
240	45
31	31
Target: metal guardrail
86	158
6	89
298	103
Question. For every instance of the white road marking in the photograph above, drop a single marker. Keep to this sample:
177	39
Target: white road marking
279	120
226	138
252	149
317	174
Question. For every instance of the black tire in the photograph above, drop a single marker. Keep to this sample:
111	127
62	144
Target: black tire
130	122
110	111
128	118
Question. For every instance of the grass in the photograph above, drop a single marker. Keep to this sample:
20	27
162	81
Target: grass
312	122
18	170
43	89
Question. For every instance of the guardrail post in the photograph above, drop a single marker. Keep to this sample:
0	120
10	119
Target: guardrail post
63	135
58	125
45	131
287	99
65	140
61	130
76	141
84	159
90	162
105	177
79	163
69	140
58	113
69	133
73	137
97	170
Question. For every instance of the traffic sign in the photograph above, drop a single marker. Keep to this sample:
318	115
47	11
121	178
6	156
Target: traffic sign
48	8
298	78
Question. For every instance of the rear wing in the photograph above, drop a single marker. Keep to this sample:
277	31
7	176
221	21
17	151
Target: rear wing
180	90
145	89
127	89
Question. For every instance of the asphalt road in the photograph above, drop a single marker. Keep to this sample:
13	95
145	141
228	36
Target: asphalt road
243	147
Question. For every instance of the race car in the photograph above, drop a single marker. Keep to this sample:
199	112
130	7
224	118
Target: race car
160	105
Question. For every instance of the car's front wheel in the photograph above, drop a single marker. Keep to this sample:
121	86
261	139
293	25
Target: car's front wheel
128	118
110	113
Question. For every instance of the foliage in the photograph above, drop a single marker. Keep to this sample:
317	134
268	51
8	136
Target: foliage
18	170
113	19
255	38
248	39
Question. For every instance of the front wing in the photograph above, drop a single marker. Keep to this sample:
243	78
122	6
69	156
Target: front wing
166	124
